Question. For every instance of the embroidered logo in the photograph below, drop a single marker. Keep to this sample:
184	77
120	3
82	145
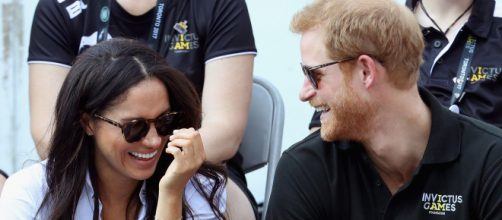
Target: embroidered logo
181	27
75	8
183	41
438	204
483	73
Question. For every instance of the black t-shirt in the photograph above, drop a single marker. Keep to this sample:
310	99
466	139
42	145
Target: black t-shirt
196	31
459	177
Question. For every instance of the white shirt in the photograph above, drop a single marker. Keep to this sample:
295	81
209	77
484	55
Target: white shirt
24	191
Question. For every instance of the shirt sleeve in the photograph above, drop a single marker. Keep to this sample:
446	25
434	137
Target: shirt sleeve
292	195
199	206
230	31
22	194
51	34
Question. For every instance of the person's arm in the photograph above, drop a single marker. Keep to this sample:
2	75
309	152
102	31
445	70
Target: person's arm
186	147
45	81
225	105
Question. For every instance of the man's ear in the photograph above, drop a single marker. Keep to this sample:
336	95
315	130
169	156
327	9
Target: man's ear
87	125
369	70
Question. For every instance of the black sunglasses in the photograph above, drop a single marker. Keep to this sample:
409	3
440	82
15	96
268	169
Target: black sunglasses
137	129
311	74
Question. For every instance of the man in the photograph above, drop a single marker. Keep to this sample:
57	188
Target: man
386	149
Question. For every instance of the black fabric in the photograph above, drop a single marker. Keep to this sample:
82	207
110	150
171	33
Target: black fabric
459	177
204	30
236	174
483	97
315	122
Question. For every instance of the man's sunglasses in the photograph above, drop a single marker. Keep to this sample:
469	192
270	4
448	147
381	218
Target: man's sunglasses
313	75
137	129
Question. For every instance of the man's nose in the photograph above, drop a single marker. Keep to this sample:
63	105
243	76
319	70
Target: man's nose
307	91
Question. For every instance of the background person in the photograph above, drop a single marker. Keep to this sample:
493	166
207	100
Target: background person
386	149
119	108
447	26
210	41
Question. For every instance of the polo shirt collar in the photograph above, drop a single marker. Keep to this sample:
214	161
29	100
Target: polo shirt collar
445	134
481	17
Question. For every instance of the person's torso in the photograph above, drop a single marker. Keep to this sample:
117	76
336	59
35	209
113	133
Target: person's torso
193	32
483	87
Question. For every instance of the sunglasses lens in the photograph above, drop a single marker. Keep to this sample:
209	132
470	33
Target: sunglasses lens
135	130
165	124
310	75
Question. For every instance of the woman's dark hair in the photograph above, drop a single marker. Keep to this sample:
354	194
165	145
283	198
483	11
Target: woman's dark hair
99	78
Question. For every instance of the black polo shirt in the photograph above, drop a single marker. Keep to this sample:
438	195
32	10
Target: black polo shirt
483	97
459	177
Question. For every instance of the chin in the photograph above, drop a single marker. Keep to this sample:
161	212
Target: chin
142	174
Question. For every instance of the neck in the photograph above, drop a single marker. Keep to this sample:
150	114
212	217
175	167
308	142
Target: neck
447	16
445	7
117	202
137	7
400	138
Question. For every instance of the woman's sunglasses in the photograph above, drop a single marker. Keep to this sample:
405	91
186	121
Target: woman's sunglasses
137	129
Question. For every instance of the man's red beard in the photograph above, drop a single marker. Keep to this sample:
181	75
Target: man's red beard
349	117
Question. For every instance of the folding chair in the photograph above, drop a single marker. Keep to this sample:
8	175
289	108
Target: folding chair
262	141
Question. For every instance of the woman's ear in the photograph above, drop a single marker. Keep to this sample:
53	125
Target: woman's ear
87	125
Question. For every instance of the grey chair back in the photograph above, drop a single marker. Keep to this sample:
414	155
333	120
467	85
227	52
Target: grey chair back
262	141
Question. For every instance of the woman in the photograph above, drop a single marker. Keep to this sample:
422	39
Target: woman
119	107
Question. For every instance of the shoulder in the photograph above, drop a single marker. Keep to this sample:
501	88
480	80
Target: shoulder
23	192
481	142
32	176
311	147
476	128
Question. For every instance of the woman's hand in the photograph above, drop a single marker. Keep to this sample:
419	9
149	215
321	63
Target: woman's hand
186	147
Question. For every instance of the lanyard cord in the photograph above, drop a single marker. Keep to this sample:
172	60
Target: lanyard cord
157	27
463	73
104	19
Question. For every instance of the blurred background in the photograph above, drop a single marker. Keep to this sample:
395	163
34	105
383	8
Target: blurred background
277	61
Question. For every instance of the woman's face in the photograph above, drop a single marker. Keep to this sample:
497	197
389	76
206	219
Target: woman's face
117	158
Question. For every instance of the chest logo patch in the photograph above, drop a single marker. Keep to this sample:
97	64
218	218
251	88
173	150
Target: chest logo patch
183	41
439	204
483	73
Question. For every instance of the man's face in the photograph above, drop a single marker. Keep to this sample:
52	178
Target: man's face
345	112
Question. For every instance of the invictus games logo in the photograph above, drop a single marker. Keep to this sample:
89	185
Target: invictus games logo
438	204
183	41
483	73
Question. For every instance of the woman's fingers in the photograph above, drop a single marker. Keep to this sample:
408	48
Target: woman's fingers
189	142
186	147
